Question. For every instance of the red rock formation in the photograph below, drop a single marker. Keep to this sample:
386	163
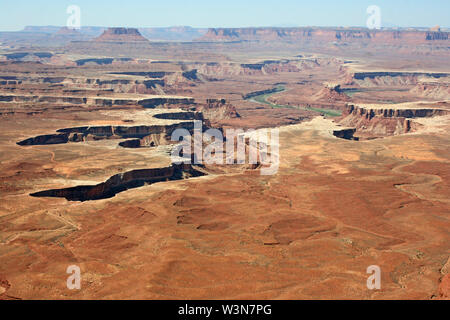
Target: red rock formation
216	110
332	93
121	35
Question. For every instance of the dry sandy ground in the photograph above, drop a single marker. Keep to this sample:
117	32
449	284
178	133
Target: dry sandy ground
310	231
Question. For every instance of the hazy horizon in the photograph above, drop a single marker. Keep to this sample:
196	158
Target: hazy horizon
219	27
15	16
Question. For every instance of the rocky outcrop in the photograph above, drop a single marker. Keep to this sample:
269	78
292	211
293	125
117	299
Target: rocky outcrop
331	93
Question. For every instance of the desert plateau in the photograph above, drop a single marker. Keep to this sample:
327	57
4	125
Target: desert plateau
88	116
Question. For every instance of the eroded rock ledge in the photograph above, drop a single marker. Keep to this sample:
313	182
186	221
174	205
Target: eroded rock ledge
149	102
80	134
371	111
371	121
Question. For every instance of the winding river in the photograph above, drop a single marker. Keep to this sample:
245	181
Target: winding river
262	99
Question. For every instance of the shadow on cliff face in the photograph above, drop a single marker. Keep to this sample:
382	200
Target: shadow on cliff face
122	182
185	115
346	134
81	134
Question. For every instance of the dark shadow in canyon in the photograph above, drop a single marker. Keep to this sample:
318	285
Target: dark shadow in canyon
122	182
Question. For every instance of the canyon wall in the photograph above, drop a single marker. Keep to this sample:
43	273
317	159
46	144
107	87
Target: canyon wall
81	134
392	78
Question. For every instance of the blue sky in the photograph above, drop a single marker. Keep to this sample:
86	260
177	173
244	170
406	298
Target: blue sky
14	15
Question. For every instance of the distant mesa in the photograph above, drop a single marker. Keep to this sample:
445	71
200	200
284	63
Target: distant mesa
121	35
68	31
325	34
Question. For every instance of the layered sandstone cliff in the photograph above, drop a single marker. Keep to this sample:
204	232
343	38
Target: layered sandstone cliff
392	78
372	121
324	34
